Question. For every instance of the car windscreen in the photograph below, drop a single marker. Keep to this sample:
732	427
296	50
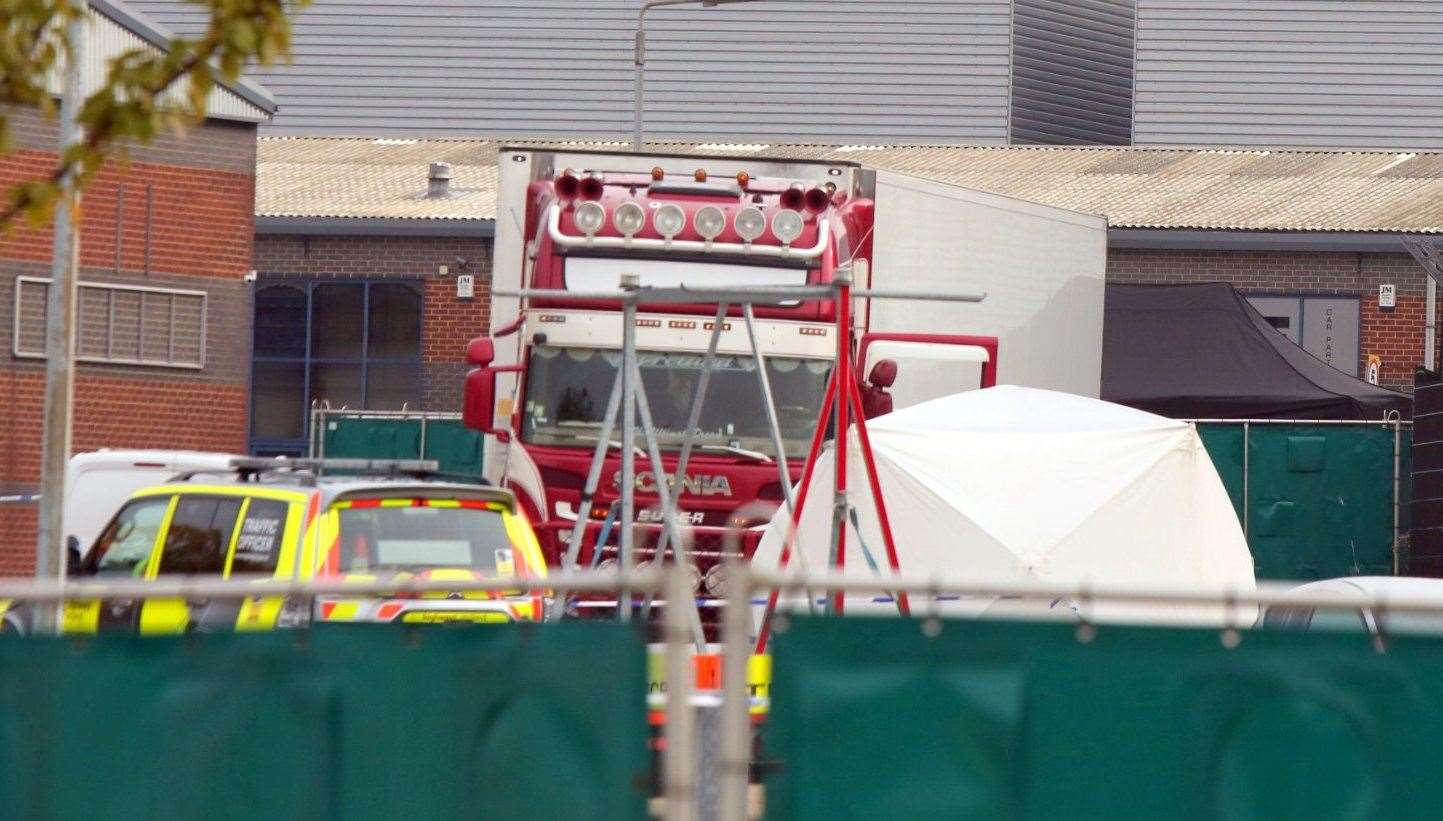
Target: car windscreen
124	547
420	534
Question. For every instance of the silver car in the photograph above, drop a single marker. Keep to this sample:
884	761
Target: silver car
1372	620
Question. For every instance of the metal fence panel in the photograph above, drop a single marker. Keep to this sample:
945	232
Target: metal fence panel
336	722
1317	500
877	719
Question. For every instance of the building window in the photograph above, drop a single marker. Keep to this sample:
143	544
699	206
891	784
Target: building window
1324	326
118	324
348	344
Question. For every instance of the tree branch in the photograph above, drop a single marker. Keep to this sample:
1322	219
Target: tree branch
129	105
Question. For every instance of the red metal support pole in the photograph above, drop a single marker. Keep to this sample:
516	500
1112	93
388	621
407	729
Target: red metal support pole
800	501
883	520
839	449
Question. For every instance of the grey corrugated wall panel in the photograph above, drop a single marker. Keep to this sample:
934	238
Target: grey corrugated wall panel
826	70
1072	71
1290	73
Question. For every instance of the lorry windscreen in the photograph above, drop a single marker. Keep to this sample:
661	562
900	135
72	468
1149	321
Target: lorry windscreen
567	390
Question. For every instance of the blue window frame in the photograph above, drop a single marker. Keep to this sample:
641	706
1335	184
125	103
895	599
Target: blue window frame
354	344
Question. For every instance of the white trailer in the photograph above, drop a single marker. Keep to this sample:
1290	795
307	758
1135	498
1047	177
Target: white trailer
1041	267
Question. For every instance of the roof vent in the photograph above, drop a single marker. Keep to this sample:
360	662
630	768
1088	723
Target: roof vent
438	184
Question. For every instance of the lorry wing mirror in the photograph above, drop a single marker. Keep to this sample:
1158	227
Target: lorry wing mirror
478	401
883	374
481	352
875	399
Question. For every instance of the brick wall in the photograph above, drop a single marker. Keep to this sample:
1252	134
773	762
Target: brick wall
178	213
183	205
448	323
1396	335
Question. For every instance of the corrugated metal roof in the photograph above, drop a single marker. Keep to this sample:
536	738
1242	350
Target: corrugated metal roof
1355	191
120	28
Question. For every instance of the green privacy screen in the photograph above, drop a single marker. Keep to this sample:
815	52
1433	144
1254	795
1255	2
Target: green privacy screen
335	723
359	436
1319	497
872	719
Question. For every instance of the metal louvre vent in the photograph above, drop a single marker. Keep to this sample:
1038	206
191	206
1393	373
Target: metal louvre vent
118	324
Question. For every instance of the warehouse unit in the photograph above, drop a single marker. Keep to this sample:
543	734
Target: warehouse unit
165	252
1310	73
824	71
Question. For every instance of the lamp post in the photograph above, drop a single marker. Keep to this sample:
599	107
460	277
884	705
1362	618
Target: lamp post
50	552
640	53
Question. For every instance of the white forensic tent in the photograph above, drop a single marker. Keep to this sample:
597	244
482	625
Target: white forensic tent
1015	483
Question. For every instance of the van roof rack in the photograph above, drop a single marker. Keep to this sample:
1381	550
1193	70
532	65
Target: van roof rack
306	470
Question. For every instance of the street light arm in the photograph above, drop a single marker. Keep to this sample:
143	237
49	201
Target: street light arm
651	4
639	55
639	50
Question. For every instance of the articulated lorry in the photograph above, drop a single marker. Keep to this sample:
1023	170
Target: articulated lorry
571	220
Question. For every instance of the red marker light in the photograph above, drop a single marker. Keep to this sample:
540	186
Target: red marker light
657	174
816	200
743	178
792	198
700	175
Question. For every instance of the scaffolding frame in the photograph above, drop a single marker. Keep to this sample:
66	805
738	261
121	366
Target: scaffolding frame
842	400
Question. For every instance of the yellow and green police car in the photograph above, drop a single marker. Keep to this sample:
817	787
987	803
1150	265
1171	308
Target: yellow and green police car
288	519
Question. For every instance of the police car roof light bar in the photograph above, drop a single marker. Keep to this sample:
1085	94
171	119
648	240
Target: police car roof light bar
250	468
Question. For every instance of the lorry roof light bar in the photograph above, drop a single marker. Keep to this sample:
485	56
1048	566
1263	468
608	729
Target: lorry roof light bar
553	228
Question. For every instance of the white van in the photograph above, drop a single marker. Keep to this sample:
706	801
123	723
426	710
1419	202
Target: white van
99	482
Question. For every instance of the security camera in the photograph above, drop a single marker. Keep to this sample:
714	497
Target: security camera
250	277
